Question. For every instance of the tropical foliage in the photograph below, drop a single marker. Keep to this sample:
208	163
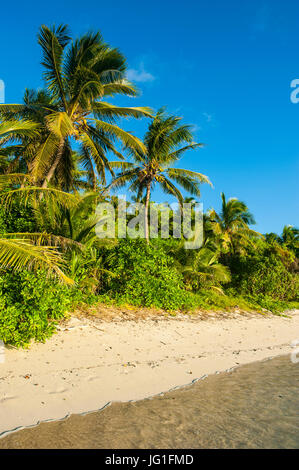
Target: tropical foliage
79	76
231	225
164	143
57	162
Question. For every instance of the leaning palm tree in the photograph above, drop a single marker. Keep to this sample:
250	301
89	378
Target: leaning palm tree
18	251
164	143
231	225
79	75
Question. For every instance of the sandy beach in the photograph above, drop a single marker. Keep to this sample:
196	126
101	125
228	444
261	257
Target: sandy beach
91	362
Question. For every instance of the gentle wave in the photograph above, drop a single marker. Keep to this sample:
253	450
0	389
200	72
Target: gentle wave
253	406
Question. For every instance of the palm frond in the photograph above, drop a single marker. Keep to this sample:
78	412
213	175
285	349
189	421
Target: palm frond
128	139
193	175
46	239
169	188
124	178
31	194
122	87
174	156
13	178
111	111
53	41
44	156
60	124
22	253
18	129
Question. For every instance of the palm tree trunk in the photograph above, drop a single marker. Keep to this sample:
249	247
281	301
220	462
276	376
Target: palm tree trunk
147	200
54	164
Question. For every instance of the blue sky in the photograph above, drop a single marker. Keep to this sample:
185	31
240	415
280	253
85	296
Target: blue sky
224	66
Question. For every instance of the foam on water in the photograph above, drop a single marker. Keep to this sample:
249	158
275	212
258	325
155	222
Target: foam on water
253	406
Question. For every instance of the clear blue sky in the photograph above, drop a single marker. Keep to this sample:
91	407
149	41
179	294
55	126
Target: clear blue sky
225	66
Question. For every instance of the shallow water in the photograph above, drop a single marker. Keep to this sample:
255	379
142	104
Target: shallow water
253	406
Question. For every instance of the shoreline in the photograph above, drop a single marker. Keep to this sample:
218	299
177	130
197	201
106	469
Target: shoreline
89	364
160	394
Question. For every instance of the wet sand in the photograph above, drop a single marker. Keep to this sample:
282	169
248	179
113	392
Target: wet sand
253	406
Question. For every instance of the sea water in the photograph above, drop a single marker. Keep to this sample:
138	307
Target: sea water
253	406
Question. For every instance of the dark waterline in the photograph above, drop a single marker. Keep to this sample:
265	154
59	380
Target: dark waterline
253	406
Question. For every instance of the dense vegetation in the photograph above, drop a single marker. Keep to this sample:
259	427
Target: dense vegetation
54	161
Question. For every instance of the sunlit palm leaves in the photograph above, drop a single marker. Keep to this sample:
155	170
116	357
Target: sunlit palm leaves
78	75
37	250
53	197
165	142
14	130
19	253
231	225
201	268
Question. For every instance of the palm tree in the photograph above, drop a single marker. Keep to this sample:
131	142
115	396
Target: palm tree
164	143
19	250
201	268
21	151
79	75
231	225
272	238
290	238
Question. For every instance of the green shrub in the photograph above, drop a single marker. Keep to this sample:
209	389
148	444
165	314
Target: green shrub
17	219
30	304
265	273
269	303
269	277
145	275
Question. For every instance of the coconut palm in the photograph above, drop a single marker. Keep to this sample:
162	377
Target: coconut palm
200	268
67	221
79	75
203	269
19	250
20	151
164	143
290	238
73	220
39	250
73	226
230	226
272	238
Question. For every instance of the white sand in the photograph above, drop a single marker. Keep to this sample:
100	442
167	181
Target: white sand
93	363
